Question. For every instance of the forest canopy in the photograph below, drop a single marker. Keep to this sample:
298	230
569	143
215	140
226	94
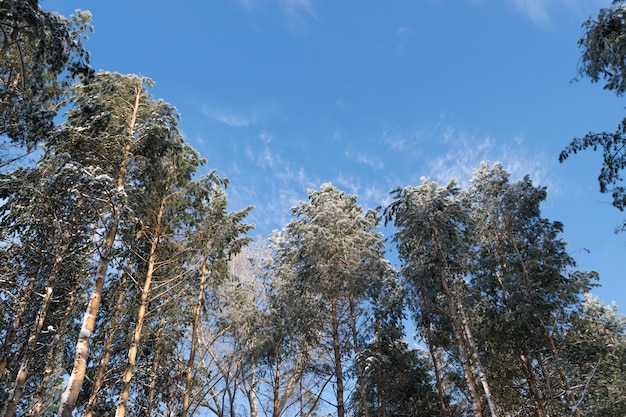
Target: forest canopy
129	287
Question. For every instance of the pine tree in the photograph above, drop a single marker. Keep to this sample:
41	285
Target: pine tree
526	283
42	53
434	244
593	352
218	236
117	130
47	222
334	253
397	379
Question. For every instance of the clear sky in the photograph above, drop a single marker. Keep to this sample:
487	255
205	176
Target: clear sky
281	96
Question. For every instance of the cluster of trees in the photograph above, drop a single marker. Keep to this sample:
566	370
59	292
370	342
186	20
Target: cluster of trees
128	287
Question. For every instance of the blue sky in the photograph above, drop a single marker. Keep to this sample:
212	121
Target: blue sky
283	95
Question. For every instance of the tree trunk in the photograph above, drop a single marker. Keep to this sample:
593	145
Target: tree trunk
143	304
39	397
251	392
468	371
20	382
438	382
276	387
292	383
382	393
457	329
538	401
153	381
571	397
75	382
337	359
17	319
525	365
14	399
358	367
102	365
189	380
476	359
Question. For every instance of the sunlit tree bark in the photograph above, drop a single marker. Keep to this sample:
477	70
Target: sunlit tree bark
127	119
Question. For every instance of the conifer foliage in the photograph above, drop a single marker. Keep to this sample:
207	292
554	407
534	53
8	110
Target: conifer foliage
604	59
129	288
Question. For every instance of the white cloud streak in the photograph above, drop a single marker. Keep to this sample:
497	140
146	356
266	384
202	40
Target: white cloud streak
365	159
230	119
297	12
541	11
465	152
298	8
370	196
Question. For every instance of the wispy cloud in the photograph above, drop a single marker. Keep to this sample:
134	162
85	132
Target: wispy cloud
372	161
297	12
284	191
399	141
376	196
403	35
262	155
395	141
229	118
365	159
370	195
348	184
279	183
464	153
541	11
298	8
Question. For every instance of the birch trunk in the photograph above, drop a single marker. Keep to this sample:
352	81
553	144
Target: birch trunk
75	382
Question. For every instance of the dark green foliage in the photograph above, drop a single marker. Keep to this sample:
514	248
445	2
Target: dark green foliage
604	58
118	163
486	253
329	257
396	378
492	291
47	249
41	53
613	146
595	350
604	47
524	283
